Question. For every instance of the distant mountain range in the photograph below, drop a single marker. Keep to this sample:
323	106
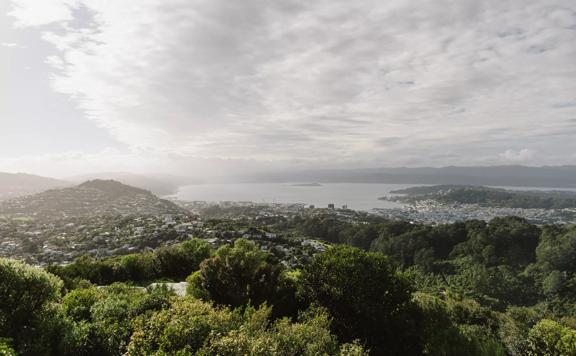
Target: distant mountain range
18	184
92	198
520	176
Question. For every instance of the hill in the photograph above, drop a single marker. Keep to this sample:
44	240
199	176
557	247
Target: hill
91	198
490	197
18	184
159	184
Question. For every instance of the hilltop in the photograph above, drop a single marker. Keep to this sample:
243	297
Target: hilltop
159	184
19	184
91	198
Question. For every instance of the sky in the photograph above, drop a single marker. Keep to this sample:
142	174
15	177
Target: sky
209	87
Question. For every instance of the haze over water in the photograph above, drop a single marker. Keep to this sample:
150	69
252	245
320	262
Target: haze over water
357	196
354	195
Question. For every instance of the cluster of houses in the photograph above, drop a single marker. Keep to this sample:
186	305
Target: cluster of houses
432	212
61	241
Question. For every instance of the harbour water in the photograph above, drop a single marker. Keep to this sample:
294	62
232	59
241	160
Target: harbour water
354	195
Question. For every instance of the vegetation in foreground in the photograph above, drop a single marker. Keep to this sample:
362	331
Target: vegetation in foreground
502	288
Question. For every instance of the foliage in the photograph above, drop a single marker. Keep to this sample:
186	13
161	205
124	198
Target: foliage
239	275
469	288
6	349
514	327
497	287
182	328
366	298
178	261
457	327
175	262
549	338
96	321
192	326
26	295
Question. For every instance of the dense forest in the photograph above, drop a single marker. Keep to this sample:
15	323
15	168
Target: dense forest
506	287
490	197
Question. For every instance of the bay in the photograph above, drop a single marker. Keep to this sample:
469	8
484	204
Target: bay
356	196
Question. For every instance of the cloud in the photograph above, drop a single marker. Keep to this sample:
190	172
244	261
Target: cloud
10	45
69	163
520	156
371	81
37	13
73	162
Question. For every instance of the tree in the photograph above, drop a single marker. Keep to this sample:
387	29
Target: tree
28	313
548	338
495	286
6	349
138	267
408	248
191	326
182	329
508	240
557	249
100	319
448	334
25	292
179	261
78	303
176	262
514	327
366	298
236	276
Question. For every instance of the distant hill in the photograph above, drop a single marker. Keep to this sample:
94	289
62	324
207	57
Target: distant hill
92	198
18	184
488	197
159	184
520	176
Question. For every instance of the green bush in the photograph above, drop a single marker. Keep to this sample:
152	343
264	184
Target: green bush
237	275
6	349
27	314
366	298
549	338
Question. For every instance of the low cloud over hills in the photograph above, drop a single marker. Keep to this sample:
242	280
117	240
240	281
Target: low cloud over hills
17	184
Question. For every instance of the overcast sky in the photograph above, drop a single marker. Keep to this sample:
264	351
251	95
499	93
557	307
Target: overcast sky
185	86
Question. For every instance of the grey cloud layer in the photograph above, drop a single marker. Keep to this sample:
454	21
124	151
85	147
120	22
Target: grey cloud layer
387	82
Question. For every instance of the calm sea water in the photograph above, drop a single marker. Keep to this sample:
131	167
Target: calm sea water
354	195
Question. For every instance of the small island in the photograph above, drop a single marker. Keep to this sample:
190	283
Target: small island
307	185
